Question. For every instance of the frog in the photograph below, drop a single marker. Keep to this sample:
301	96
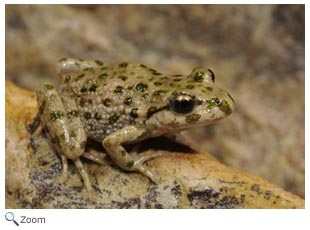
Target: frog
124	103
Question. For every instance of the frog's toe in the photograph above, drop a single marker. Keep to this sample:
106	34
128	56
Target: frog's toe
64	162
95	156
83	173
145	156
142	169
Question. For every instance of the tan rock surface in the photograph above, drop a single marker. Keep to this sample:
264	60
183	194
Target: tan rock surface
189	180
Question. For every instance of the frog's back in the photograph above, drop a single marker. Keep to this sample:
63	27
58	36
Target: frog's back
113	96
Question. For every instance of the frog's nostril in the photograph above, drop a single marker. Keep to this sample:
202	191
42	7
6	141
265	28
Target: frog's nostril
231	97
217	101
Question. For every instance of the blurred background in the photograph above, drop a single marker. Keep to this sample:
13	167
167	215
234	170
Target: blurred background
256	51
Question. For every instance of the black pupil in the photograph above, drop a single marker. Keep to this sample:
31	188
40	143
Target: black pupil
182	104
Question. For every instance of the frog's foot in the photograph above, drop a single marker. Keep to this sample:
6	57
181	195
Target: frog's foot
94	156
80	168
83	173
141	158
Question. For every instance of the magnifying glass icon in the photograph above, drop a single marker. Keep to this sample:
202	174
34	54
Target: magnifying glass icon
9	216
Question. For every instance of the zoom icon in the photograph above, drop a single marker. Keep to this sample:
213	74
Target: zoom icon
9	216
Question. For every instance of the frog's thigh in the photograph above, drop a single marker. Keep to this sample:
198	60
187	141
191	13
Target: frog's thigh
63	125
112	144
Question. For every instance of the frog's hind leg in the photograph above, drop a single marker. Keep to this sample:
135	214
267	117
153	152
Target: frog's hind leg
60	118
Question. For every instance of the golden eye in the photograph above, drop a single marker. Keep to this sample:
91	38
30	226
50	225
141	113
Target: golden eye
182	103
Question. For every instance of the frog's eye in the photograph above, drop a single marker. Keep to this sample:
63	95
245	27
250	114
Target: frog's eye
182	103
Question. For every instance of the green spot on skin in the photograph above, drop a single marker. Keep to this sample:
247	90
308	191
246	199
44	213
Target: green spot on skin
134	113
141	87
190	86
177	80
210	103
124	78
67	78
225	107
198	77
160	92
82	102
209	88
118	89
113	118
98	116
87	115
72	113
98	62
192	118
128	100
56	115
93	88
80	76
48	86
123	65
130	164
157	83
153	71
106	102
102	76
83	89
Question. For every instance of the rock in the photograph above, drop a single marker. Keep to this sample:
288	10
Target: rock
189	180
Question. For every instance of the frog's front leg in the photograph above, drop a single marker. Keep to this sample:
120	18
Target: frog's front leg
59	117
120	156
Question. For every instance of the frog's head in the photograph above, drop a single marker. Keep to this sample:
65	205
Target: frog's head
196	102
